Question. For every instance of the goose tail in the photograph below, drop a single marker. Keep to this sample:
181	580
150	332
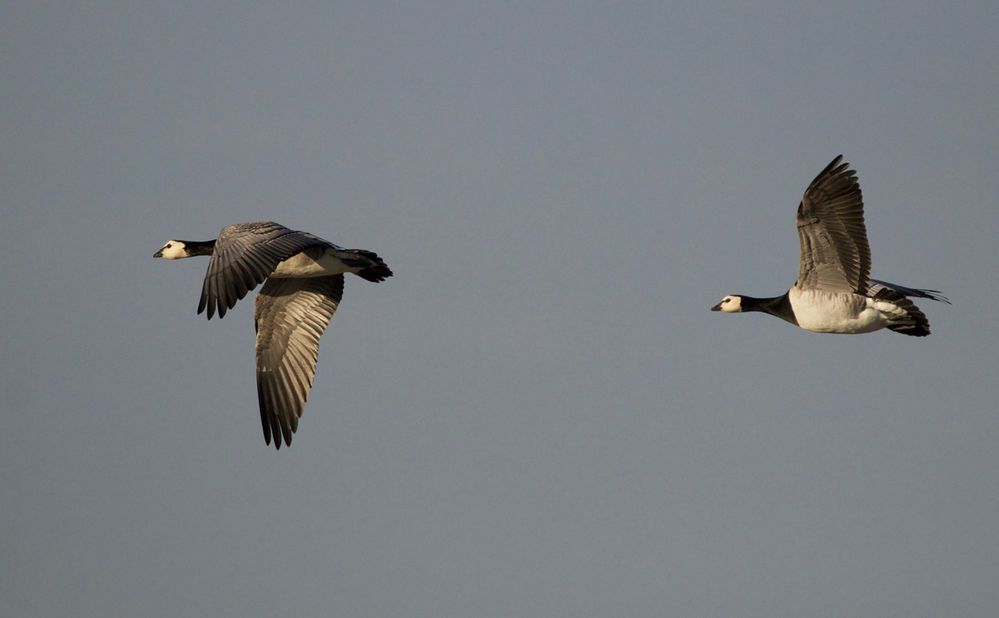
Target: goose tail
903	316
372	267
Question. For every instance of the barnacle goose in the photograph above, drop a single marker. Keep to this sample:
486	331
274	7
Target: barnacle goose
834	292
303	285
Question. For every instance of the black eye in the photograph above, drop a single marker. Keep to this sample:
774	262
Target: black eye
726	300
168	245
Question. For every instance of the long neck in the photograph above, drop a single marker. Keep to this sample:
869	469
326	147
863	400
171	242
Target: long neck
197	247
778	306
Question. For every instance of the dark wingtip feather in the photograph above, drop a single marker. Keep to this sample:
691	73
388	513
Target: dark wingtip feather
263	415
914	292
836	161
937	296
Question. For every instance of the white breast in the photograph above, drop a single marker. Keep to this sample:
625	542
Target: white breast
835	312
301	265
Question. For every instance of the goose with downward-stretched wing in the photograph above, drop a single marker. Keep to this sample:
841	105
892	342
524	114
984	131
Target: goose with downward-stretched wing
834	292
303	277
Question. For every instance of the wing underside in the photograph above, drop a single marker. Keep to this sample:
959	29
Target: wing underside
290	315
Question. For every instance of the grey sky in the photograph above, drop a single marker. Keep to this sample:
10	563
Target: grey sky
538	416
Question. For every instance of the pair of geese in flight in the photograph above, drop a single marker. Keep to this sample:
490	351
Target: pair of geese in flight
303	283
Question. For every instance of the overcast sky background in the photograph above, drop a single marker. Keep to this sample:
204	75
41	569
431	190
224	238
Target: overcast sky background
538	415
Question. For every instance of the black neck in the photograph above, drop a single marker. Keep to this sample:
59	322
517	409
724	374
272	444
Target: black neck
197	247
778	306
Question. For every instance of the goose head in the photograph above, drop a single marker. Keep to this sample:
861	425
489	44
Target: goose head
730	304
173	250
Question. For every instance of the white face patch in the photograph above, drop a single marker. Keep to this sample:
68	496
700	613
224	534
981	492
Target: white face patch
730	304
174	250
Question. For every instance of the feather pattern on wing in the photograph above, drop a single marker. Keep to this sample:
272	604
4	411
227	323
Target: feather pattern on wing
835	255
290	316
244	255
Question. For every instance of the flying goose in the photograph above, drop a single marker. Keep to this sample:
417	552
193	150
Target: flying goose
304	284
834	292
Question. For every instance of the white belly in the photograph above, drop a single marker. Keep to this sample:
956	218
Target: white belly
836	312
301	265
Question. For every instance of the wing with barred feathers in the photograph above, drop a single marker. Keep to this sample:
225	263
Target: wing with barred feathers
245	254
835	254
290	316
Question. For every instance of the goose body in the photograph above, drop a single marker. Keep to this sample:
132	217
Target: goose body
303	278
833	312
834	292
303	264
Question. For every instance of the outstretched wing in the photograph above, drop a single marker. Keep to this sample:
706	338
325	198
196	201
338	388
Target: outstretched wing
835	255
245	254
290	315
877	285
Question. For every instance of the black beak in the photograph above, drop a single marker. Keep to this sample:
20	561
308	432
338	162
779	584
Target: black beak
158	253
716	307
